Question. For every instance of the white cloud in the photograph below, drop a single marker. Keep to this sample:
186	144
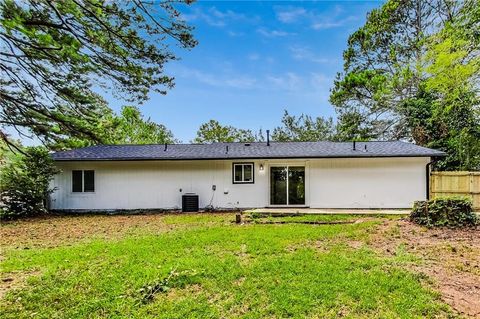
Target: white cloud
200	15
317	84
229	14
331	23
217	18
290	14
288	81
291	82
254	56
235	34
332	18
242	82
273	33
319	80
305	54
218	80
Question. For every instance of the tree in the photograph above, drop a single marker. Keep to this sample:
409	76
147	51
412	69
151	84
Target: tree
411	72
352	126
304	128
383	62
213	132
453	70
56	54
132	128
128	128
25	183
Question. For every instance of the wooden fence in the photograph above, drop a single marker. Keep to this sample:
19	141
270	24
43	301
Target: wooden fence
456	184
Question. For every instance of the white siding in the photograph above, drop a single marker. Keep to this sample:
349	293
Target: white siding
330	183
367	183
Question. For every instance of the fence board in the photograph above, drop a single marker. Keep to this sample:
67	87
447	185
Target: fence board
456	183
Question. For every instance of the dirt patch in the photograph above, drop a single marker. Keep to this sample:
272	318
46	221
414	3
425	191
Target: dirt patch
450	256
52	231
355	244
14	280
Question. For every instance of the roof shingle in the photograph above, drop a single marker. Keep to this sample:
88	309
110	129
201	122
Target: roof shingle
245	151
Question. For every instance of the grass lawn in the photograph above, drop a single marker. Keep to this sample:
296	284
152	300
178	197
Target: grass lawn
205	266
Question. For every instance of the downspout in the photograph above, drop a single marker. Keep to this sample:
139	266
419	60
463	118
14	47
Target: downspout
428	168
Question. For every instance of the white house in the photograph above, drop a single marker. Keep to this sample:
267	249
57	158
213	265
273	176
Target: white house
243	175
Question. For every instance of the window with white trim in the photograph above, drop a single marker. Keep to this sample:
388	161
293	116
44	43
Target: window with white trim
83	181
243	173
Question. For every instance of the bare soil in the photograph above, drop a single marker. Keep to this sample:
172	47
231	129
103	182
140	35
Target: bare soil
60	230
451	257
52	231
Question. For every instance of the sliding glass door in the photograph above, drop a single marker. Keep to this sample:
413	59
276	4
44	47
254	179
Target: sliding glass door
287	185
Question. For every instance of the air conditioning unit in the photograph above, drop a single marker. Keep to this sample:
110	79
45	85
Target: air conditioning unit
189	202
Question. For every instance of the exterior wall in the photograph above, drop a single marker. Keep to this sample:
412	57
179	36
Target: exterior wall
157	184
368	183
330	183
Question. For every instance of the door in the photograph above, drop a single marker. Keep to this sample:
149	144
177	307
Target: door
287	185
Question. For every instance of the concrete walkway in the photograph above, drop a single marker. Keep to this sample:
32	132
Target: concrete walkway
326	211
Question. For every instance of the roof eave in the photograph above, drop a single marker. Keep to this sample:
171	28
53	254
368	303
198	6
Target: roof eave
130	159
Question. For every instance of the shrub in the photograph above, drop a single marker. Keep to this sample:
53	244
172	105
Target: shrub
25	184
444	211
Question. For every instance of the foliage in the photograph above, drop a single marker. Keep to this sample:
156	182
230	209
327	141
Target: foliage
256	271
213	132
130	127
383	62
57	54
453	69
7	152
352	126
303	128
411	72
25	184
444	211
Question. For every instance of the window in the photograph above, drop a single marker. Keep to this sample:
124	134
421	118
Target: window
83	181
243	173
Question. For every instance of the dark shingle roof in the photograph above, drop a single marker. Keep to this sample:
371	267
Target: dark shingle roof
244	151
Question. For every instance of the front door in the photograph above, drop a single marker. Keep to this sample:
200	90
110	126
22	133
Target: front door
287	185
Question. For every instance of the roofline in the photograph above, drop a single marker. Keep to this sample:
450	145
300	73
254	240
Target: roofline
246	142
139	159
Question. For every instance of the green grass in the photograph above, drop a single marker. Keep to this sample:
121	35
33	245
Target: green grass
225	271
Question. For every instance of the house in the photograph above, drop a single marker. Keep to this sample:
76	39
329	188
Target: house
389	174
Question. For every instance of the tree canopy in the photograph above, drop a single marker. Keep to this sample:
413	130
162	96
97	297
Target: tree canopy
130	127
213	131
411	72
304	128
56	56
383	62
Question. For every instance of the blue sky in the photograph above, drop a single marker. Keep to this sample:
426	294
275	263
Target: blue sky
255	59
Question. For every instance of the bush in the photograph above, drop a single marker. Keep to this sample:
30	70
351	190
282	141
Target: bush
25	184
444	211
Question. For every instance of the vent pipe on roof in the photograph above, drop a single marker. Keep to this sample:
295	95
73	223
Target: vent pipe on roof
366	148
166	145
268	137
354	146
226	149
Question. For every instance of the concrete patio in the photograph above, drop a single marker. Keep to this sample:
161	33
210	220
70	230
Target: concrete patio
326	211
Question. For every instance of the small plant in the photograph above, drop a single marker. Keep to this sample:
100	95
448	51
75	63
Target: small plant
255	215
444	211
172	280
